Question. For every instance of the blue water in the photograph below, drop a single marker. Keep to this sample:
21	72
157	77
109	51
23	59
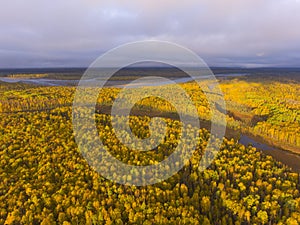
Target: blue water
57	82
245	140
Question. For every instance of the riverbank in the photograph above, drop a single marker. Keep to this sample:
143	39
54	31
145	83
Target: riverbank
284	156
288	158
274	143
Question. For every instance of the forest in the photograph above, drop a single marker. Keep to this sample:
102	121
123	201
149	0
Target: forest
46	180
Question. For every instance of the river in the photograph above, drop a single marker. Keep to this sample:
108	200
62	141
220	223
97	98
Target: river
288	158
115	83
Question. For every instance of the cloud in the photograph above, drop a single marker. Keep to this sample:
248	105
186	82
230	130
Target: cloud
73	33
260	54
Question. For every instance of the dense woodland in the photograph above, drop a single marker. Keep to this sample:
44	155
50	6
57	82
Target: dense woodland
46	180
265	107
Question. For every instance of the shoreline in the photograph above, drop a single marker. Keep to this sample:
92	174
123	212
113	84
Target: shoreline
230	132
284	156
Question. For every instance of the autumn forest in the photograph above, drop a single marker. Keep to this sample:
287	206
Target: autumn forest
44	178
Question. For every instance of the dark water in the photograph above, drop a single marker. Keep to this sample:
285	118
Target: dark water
245	140
290	159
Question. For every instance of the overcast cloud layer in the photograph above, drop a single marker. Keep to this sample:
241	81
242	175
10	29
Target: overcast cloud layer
248	33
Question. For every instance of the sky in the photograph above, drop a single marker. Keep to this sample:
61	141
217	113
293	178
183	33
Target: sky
73	33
